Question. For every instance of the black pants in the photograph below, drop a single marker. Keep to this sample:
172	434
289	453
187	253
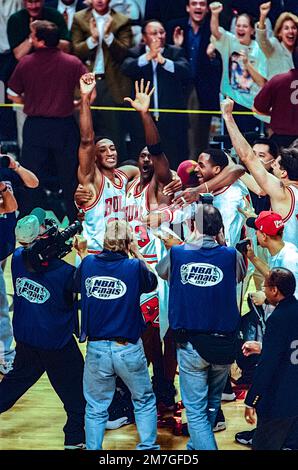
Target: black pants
64	368
275	434
48	143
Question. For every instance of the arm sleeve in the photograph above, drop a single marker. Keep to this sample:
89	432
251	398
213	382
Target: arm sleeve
223	43
264	42
15	82
263	100
148	280
273	349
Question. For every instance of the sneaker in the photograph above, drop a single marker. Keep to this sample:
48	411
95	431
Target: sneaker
5	368
245	437
220	423
117	423
76	447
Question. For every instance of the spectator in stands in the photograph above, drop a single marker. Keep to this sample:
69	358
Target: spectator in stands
67	8
244	64
279	99
168	70
251	7
50	130
101	38
193	34
20	41
279	49
273	392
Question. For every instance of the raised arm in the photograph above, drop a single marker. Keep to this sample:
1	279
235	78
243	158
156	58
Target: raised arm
8	202
269	183
86	172
261	32
29	179
255	75
216	9
141	103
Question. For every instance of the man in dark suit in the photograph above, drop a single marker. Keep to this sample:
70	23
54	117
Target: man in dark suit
193	35
169	72
273	394
101	38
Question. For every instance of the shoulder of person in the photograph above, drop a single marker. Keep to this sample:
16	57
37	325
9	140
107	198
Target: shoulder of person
83	15
119	19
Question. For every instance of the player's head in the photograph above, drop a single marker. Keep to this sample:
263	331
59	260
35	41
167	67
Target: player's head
210	163
266	150
145	165
106	153
285	167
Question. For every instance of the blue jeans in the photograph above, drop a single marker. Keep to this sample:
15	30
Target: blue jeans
104	361
7	353
201	385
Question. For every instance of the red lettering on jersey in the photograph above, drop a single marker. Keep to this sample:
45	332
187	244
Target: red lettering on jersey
108	207
132	213
142	236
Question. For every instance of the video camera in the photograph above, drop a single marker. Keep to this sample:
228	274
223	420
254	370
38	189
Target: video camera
242	246
4	161
52	244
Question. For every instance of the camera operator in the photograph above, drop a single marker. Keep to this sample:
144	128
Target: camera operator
12	177
44	319
203	313
111	285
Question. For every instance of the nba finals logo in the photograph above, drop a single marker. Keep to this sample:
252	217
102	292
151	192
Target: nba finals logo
31	291
105	288
200	274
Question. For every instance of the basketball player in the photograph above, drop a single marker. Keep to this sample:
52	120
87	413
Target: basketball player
281	186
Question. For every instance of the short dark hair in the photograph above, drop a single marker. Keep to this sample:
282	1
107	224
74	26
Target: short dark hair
289	162
217	157
145	24
283	279
46	31
273	147
212	220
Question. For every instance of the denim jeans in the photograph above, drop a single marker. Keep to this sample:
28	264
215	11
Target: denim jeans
201	385
7	353
104	361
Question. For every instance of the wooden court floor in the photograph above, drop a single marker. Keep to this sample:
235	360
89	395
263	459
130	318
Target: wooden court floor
37	419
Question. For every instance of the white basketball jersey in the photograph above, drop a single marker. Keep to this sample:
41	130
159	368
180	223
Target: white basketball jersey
291	220
151	247
227	201
109	205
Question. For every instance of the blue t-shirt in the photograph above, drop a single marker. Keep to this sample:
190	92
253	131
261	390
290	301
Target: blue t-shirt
111	285
45	315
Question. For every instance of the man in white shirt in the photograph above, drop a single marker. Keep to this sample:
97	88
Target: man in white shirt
270	227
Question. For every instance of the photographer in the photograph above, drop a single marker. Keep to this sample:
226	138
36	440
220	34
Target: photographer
203	277
12	177
111	285
45	317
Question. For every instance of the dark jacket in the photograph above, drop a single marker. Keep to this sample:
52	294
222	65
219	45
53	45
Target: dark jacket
209	72
171	86
275	384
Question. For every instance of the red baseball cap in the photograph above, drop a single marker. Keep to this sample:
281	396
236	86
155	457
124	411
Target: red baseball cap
187	174
267	222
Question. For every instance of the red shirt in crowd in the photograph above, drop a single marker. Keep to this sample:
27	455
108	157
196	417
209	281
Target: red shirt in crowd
47	78
279	99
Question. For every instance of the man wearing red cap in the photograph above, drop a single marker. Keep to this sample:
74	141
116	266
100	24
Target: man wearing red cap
270	227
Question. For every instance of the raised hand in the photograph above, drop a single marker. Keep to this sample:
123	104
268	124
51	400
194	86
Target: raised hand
141	102
216	8
227	106
93	29
265	9
178	36
87	83
244	57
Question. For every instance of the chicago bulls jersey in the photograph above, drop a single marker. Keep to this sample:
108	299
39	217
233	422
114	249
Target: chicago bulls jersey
109	205
291	220
153	250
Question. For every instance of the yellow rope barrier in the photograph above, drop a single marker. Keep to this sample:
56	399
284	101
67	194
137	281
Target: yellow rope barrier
172	111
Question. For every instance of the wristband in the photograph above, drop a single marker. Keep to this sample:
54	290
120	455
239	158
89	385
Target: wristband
155	149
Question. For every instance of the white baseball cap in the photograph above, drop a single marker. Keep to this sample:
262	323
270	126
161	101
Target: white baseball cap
27	229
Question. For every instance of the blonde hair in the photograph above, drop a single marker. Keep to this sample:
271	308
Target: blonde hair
118	236
286	16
